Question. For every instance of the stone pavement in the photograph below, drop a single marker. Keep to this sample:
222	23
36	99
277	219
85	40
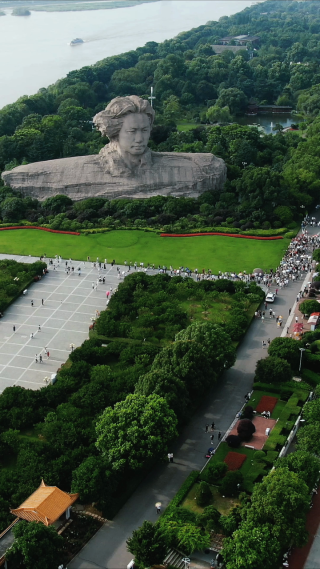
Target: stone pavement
69	304
107	549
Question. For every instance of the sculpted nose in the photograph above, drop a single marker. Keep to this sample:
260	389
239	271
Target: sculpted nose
139	136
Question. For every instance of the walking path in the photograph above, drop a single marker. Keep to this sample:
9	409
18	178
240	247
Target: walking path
107	549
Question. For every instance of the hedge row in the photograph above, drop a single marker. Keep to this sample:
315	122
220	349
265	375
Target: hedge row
38	227
182	492
221	234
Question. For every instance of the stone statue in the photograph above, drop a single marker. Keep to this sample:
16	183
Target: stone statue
124	168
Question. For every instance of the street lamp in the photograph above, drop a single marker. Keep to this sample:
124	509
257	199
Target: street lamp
301	352
186	562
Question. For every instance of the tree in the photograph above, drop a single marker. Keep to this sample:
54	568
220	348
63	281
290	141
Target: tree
286	349
252	547
281	499
311	411
309	306
213	342
305	464
210	519
148	545
166	385
218	114
136	430
12	209
233	98
230	483
93	480
191	538
273	370
203	494
35	545
245	429
309	438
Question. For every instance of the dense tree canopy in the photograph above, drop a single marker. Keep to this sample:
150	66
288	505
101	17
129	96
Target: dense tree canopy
135	431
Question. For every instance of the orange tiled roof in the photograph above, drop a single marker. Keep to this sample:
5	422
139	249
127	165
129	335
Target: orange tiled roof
45	505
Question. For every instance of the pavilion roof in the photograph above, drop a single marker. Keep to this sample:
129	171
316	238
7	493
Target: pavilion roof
45	505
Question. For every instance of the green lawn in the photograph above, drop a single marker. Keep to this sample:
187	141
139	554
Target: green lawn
210	252
185	126
223	505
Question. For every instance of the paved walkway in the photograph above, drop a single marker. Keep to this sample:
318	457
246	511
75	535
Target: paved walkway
69	304
107	549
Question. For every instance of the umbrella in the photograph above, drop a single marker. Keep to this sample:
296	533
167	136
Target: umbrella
158	505
258	271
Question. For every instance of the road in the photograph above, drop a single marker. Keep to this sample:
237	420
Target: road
107	549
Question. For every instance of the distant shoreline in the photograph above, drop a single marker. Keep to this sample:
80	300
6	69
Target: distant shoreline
72	5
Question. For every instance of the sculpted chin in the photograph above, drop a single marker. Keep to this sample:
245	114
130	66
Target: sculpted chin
124	168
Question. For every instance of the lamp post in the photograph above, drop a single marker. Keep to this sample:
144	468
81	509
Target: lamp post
152	97
301	352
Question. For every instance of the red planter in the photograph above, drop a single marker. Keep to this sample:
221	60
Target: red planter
41	228
222	234
234	460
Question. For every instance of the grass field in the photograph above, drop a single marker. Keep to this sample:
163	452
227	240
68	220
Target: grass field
213	252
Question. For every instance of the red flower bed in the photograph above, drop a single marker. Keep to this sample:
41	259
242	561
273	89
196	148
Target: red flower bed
234	460
222	234
41	228
267	403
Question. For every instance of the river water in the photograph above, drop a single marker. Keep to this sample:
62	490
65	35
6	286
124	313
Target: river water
35	50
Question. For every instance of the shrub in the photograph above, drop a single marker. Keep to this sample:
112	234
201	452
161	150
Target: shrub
203	494
309	306
245	429
247	413
230	483
273	370
233	441
311	377
214	472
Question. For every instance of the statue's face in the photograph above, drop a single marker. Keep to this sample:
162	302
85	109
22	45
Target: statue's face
135	133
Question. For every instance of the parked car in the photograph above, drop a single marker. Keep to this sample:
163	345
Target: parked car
270	297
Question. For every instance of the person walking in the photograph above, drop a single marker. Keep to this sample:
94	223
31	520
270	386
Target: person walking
219	436
212	438
42	301
296	319
268	341
289	311
171	457
207	427
40	358
31	336
48	354
212	426
39	328
36	358
14	328
158	508
31	302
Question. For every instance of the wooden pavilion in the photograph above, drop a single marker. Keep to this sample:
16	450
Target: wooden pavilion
46	505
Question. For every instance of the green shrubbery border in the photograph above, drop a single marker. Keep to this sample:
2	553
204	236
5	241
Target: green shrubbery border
182	492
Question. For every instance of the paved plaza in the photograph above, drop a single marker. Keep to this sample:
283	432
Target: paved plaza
70	301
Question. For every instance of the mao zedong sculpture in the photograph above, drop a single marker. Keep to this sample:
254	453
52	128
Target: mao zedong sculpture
124	168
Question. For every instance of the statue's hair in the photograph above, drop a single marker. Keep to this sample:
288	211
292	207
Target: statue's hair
110	121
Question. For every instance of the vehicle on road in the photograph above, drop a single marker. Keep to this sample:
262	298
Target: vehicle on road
270	297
